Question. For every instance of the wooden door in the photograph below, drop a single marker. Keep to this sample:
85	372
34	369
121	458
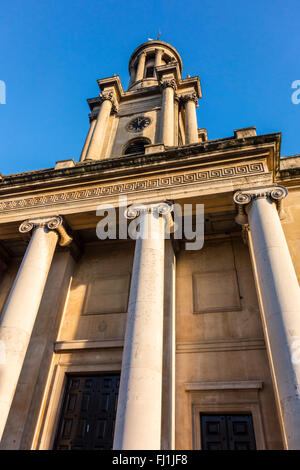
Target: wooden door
227	432
88	413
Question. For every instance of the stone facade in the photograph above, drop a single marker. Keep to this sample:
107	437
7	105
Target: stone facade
192	332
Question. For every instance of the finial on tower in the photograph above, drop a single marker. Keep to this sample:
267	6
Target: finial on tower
159	33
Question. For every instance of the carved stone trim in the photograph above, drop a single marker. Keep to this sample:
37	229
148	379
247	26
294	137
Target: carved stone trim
170	82
51	223
274	192
244	198
161	208
158	209
189	97
179	179
109	95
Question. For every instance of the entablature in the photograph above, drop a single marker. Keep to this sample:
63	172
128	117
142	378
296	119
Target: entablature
204	153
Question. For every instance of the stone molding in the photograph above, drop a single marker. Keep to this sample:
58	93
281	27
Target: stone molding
105	190
203	150
168	83
51	223
87	345
236	344
223	385
244	198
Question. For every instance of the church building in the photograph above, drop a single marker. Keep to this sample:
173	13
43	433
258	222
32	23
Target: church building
185	336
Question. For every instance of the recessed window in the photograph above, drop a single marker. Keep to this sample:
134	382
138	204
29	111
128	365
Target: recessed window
149	72
136	146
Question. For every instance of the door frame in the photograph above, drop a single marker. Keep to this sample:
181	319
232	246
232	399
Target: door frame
228	408
52	403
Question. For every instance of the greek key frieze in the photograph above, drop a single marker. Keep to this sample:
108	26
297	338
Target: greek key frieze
200	176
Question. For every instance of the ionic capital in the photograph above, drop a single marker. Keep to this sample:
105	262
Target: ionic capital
244	198
109	95
163	209
189	97
51	223
168	83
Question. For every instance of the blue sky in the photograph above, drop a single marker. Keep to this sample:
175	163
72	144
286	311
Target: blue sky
245	52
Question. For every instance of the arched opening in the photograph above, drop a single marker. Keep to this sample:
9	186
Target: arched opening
136	146
149	67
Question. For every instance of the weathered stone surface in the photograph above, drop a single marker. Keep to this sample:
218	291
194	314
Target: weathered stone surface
198	313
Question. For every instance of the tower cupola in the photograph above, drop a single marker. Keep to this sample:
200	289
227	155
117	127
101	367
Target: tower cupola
146	58
156	112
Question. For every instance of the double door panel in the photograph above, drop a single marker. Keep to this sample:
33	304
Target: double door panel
227	432
88	413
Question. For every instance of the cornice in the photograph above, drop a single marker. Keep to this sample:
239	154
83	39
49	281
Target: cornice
153	44
183	85
86	171
288	174
191	81
134	185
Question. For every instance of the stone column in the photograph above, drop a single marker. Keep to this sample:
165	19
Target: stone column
141	67
279	296
19	313
158	55
176	118
132	77
93	120
100	130
191	127
168	88
138	421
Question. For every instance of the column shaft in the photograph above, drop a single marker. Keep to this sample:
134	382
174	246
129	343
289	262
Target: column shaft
157	60
141	67
168	116
132	77
191	126
87	140
280	301
97	140
138	422
19	313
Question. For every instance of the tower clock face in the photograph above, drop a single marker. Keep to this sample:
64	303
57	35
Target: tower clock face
138	124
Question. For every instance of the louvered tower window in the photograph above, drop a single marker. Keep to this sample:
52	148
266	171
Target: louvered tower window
149	72
136	146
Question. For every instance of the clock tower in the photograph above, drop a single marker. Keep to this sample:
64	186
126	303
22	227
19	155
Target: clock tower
157	111
188	340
